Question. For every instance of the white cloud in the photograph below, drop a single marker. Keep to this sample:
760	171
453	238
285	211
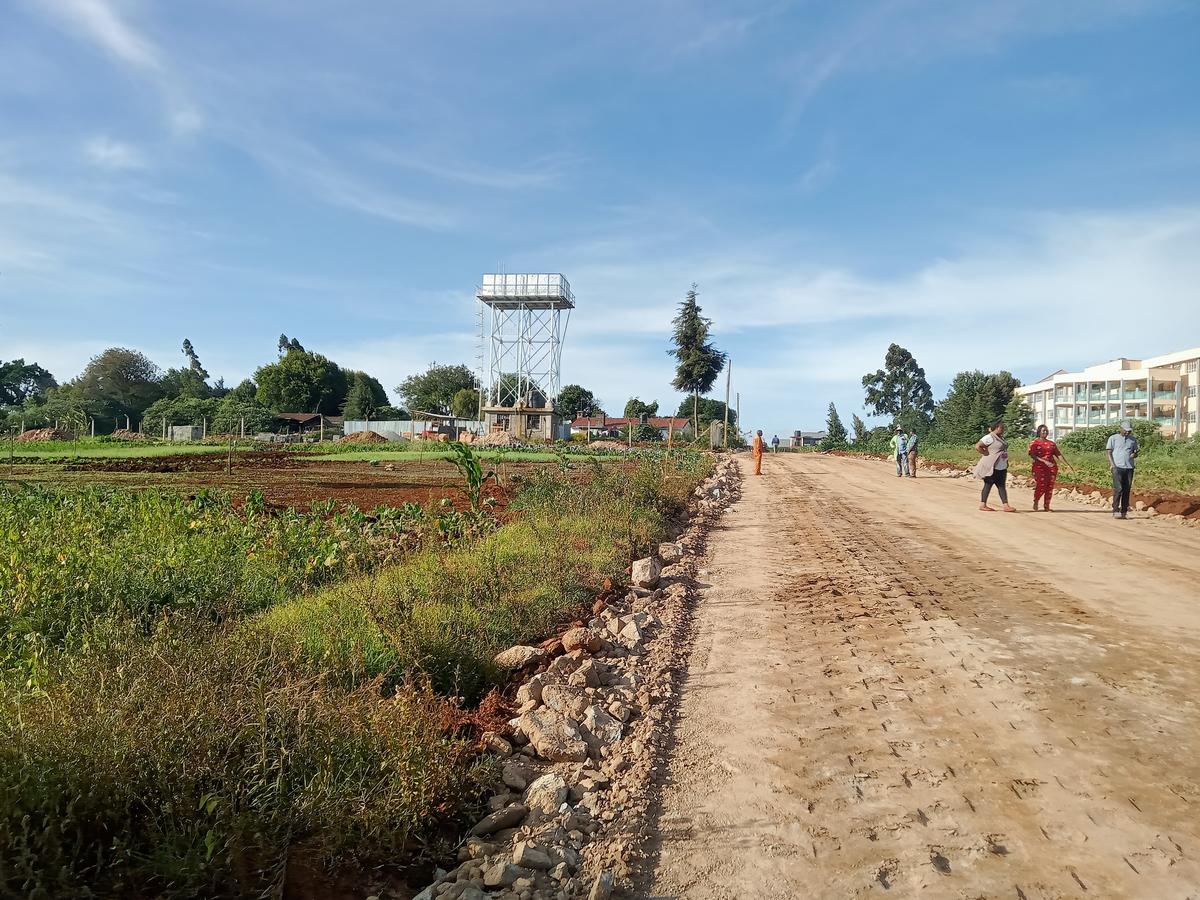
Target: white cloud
107	153
99	22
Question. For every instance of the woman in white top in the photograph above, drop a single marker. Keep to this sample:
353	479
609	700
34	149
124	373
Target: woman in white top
993	466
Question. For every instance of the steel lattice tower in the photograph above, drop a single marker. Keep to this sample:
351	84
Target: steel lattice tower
525	318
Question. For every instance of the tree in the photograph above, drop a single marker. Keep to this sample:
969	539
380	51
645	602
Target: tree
286	345
898	386
302	382
119	382
21	381
364	397
465	404
575	401
635	408
245	392
180	411
974	401
708	410
835	431
191	381
698	362
1019	418
860	429
433	390
360	400
236	411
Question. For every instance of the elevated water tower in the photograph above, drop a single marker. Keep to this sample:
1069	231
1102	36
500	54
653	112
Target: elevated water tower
522	323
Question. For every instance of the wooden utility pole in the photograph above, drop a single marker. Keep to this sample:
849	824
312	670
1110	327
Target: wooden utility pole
728	379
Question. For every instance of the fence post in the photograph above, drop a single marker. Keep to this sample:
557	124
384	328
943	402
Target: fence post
242	434
203	427
93	421
164	428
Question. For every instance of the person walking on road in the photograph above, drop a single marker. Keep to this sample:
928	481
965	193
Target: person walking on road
1122	449
1045	455
775	444
993	467
912	452
900	452
756	450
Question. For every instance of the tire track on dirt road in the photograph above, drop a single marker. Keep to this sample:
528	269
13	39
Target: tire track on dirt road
877	706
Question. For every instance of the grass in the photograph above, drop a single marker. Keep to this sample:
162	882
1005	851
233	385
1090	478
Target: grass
50	450
194	698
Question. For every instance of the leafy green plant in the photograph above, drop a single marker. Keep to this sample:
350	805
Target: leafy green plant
469	466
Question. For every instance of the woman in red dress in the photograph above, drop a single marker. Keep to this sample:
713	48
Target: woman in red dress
1045	455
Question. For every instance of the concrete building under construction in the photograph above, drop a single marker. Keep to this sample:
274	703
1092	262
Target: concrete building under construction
522	323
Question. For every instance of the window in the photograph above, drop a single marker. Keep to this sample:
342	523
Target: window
1191	392
1191	417
1193	365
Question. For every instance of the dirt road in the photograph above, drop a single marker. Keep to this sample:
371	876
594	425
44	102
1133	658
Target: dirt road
894	694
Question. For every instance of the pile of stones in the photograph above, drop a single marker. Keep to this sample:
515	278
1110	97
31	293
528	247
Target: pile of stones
570	818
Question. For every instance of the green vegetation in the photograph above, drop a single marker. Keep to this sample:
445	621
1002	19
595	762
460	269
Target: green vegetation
197	697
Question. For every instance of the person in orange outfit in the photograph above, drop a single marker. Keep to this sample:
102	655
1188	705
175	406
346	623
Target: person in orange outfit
756	450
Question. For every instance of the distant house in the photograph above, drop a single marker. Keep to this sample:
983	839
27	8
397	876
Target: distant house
301	422
603	427
807	438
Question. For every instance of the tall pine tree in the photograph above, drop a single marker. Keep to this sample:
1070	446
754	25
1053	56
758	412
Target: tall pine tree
835	431
698	362
899	386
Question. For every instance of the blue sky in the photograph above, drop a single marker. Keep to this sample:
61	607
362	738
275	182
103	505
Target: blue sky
1004	184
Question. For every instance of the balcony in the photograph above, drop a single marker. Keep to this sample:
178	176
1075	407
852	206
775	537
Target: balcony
1135	395
1165	395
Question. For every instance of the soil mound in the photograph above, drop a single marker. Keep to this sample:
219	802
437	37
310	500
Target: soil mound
124	434
44	434
364	437
607	445
501	439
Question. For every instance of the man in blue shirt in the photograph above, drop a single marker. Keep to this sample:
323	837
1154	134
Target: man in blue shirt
1122	449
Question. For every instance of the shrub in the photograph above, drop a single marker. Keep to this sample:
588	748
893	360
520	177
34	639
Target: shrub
1147	433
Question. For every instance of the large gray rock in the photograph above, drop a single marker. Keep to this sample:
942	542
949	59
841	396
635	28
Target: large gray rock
600	730
546	794
503	874
518	657
670	553
552	736
566	700
508	817
531	856
645	572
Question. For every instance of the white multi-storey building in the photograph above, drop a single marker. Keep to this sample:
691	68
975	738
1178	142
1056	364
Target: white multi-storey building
1160	388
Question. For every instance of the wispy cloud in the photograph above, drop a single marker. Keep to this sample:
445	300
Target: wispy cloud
823	168
540	172
330	181
882	34
98	22
108	153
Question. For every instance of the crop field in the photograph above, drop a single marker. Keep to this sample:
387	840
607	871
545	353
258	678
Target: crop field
268	675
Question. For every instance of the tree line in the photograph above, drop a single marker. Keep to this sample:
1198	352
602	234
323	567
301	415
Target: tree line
900	392
122	388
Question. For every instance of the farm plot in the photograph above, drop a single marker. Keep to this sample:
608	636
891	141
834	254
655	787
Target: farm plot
203	696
